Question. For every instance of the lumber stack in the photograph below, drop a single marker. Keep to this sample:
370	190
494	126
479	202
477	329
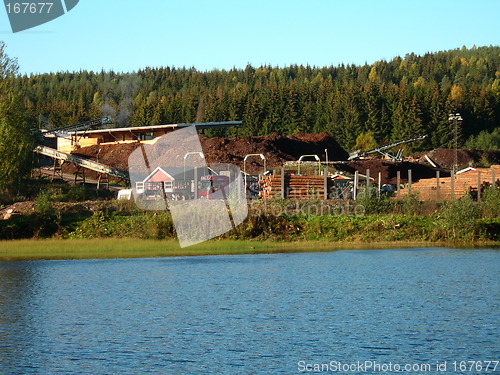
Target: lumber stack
464	183
295	186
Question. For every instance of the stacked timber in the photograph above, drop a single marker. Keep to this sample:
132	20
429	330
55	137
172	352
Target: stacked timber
463	183
295	187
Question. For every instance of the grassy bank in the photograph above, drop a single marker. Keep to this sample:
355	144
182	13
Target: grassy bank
146	225
51	249
113	229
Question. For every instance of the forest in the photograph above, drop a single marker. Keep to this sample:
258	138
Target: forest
404	97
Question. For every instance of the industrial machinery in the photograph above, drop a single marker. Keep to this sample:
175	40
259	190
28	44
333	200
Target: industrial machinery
382	149
80	162
106	120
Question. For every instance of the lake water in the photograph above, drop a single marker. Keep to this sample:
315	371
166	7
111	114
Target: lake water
254	314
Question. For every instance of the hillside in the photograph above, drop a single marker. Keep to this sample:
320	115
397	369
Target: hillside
396	99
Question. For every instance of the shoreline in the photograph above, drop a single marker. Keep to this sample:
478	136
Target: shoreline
125	248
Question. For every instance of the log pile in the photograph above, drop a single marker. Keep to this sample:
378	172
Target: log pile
464	183
296	187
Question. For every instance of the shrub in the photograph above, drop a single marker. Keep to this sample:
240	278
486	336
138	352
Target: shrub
485	140
409	205
367	198
43	203
160	226
491	202
365	141
460	217
76	193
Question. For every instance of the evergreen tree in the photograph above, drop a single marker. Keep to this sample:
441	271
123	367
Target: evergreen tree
16	138
405	96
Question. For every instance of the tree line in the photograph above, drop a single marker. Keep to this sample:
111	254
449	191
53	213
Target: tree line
404	97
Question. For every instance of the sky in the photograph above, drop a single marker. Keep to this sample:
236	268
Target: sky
127	35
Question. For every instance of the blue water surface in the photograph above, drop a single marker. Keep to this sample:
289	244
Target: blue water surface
252	314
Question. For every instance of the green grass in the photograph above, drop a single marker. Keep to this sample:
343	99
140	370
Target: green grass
110	229
133	248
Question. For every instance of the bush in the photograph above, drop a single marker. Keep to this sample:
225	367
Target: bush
485	140
43	203
460	217
491	202
409	205
160	226
367	198
365	141
46	221
76	193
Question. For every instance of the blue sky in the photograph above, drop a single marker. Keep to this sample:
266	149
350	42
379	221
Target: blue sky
126	35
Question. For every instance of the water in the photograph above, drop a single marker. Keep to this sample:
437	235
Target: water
255	314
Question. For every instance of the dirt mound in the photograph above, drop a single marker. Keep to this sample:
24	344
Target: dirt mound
276	148
18	208
114	155
445	157
388	170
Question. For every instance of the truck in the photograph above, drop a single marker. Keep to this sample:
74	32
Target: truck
212	187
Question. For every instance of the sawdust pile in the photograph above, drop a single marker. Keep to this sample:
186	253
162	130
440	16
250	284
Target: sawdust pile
276	148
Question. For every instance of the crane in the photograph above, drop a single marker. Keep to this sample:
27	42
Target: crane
381	149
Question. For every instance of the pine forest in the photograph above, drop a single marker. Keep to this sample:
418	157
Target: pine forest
401	98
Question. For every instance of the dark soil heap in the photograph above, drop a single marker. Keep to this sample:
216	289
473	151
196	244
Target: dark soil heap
276	148
388	170
445	157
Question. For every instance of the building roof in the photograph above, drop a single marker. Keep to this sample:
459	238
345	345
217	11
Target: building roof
176	173
468	169
149	128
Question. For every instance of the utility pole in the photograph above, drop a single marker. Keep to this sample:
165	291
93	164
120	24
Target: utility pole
455	117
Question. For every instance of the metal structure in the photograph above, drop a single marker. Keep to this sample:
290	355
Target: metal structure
381	150
135	132
316	157
245	165
79	130
455	117
79	161
199	153
106	120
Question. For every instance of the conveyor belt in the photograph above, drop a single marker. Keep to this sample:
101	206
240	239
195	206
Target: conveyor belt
85	163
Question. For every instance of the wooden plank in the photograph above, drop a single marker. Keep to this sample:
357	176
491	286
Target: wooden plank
438	186
282	181
398	188
409	181
452	182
